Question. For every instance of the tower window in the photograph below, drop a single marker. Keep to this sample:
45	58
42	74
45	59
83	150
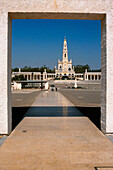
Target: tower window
65	55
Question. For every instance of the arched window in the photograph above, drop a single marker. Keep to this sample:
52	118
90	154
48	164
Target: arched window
60	67
65	55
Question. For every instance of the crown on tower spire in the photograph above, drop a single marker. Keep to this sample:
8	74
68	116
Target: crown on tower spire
64	38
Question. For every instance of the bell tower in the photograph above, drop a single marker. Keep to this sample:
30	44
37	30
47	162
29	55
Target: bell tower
65	51
65	66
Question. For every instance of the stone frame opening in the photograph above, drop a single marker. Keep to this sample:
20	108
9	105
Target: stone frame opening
7	115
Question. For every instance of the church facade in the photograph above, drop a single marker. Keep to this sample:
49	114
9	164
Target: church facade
65	68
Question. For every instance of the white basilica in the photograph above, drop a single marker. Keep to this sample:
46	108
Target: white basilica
65	68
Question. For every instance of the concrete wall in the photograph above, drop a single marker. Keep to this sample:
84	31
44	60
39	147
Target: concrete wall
65	9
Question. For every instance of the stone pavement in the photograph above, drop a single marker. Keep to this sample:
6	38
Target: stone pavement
56	143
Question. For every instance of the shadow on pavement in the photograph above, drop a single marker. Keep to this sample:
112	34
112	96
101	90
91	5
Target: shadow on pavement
17	115
93	113
19	112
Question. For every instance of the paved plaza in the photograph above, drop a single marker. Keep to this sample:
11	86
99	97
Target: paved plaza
83	97
24	97
55	141
79	97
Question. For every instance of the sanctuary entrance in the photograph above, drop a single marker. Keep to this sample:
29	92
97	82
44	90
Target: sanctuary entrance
28	11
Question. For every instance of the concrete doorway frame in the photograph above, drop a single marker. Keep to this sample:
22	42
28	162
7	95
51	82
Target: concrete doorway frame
6	36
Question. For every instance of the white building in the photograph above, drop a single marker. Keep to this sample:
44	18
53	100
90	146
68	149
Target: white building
65	66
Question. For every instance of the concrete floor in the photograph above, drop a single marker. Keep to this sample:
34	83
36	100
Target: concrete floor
56	143
24	97
83	97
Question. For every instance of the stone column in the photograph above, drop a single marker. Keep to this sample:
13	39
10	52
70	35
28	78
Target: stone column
90	77
107	74
86	77
94	77
5	73
97	77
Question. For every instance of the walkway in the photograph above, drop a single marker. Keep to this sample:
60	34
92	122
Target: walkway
52	104
55	143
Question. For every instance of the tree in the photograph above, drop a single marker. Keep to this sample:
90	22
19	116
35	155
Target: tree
81	68
37	69
15	69
18	78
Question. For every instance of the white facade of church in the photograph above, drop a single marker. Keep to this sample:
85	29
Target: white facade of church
65	66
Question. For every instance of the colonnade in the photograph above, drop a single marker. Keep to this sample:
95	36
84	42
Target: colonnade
92	76
35	75
48	76
32	77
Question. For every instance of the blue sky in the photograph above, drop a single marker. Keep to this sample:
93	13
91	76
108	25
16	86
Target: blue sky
40	41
